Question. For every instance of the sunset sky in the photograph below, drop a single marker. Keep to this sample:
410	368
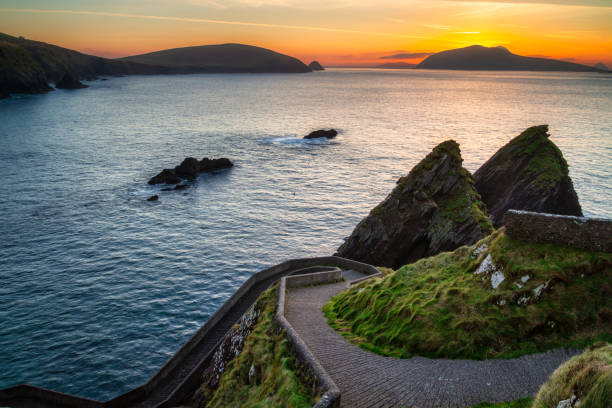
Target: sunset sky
335	32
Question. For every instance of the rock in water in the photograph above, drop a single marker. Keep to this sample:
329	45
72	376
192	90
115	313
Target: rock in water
69	81
153	198
529	173
315	66
330	134
190	168
434	208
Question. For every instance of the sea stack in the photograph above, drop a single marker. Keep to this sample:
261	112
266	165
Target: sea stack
434	208
69	81
315	66
529	173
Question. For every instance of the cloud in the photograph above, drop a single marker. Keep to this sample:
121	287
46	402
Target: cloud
580	3
200	20
410	55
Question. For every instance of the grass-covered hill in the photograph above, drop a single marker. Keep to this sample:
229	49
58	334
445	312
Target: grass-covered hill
222	58
499	298
584	381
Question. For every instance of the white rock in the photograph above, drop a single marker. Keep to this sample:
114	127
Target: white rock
496	279
501	302
479	250
518	285
251	373
525	278
538	290
523	300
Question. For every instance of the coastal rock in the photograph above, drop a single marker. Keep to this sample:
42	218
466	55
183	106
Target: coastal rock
315	66
434	208
329	134
153	198
190	168
69	81
529	173
231	345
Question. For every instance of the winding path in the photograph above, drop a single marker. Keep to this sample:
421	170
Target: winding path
370	380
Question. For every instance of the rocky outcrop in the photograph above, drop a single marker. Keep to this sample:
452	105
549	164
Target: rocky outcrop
529	173
190	168
434	208
153	198
69	81
315	66
231	345
329	134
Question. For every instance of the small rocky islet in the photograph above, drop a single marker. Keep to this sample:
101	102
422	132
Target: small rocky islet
322	133
189	169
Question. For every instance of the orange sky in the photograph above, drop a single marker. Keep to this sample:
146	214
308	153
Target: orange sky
335	32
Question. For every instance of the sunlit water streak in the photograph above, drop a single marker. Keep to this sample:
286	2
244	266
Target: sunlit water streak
100	287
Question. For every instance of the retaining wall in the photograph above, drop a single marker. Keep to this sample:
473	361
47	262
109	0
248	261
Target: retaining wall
592	234
19	396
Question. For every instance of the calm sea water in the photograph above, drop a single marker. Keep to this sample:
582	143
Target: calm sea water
100	287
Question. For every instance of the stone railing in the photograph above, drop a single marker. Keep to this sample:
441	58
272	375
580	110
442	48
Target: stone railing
178	378
592	234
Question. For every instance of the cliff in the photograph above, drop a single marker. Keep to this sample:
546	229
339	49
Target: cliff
28	66
528	173
434	208
477	57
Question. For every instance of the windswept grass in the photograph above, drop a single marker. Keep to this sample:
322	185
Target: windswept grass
551	296
587	377
265	373
519	403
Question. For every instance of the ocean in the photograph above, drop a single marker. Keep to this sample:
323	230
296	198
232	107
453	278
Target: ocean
99	287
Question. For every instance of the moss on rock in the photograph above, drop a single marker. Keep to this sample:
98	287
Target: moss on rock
434	208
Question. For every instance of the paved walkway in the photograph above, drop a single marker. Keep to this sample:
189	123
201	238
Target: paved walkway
370	380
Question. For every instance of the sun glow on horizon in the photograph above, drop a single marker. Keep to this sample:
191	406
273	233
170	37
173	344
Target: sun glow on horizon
334	32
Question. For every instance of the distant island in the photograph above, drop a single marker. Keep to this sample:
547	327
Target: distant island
28	66
396	65
477	57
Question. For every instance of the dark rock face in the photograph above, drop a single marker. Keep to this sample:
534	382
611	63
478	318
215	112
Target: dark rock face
190	168
69	81
434	208
315	66
231	345
329	134
153	198
529	173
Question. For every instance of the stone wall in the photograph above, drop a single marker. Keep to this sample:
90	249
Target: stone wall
592	234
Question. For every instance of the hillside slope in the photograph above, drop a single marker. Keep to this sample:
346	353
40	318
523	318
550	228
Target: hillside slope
498	298
222	58
477	57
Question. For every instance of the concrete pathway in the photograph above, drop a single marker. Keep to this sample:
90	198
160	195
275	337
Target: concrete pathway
370	380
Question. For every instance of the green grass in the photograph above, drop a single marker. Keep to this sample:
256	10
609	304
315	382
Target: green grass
519	403
275	380
438	306
587	376
548	166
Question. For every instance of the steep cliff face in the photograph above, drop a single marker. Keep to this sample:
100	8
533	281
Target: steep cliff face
434	208
19	72
529	173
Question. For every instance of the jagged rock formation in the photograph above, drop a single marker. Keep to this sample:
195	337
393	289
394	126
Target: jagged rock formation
69	81
329	134
529	173
315	66
434	208
190	168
